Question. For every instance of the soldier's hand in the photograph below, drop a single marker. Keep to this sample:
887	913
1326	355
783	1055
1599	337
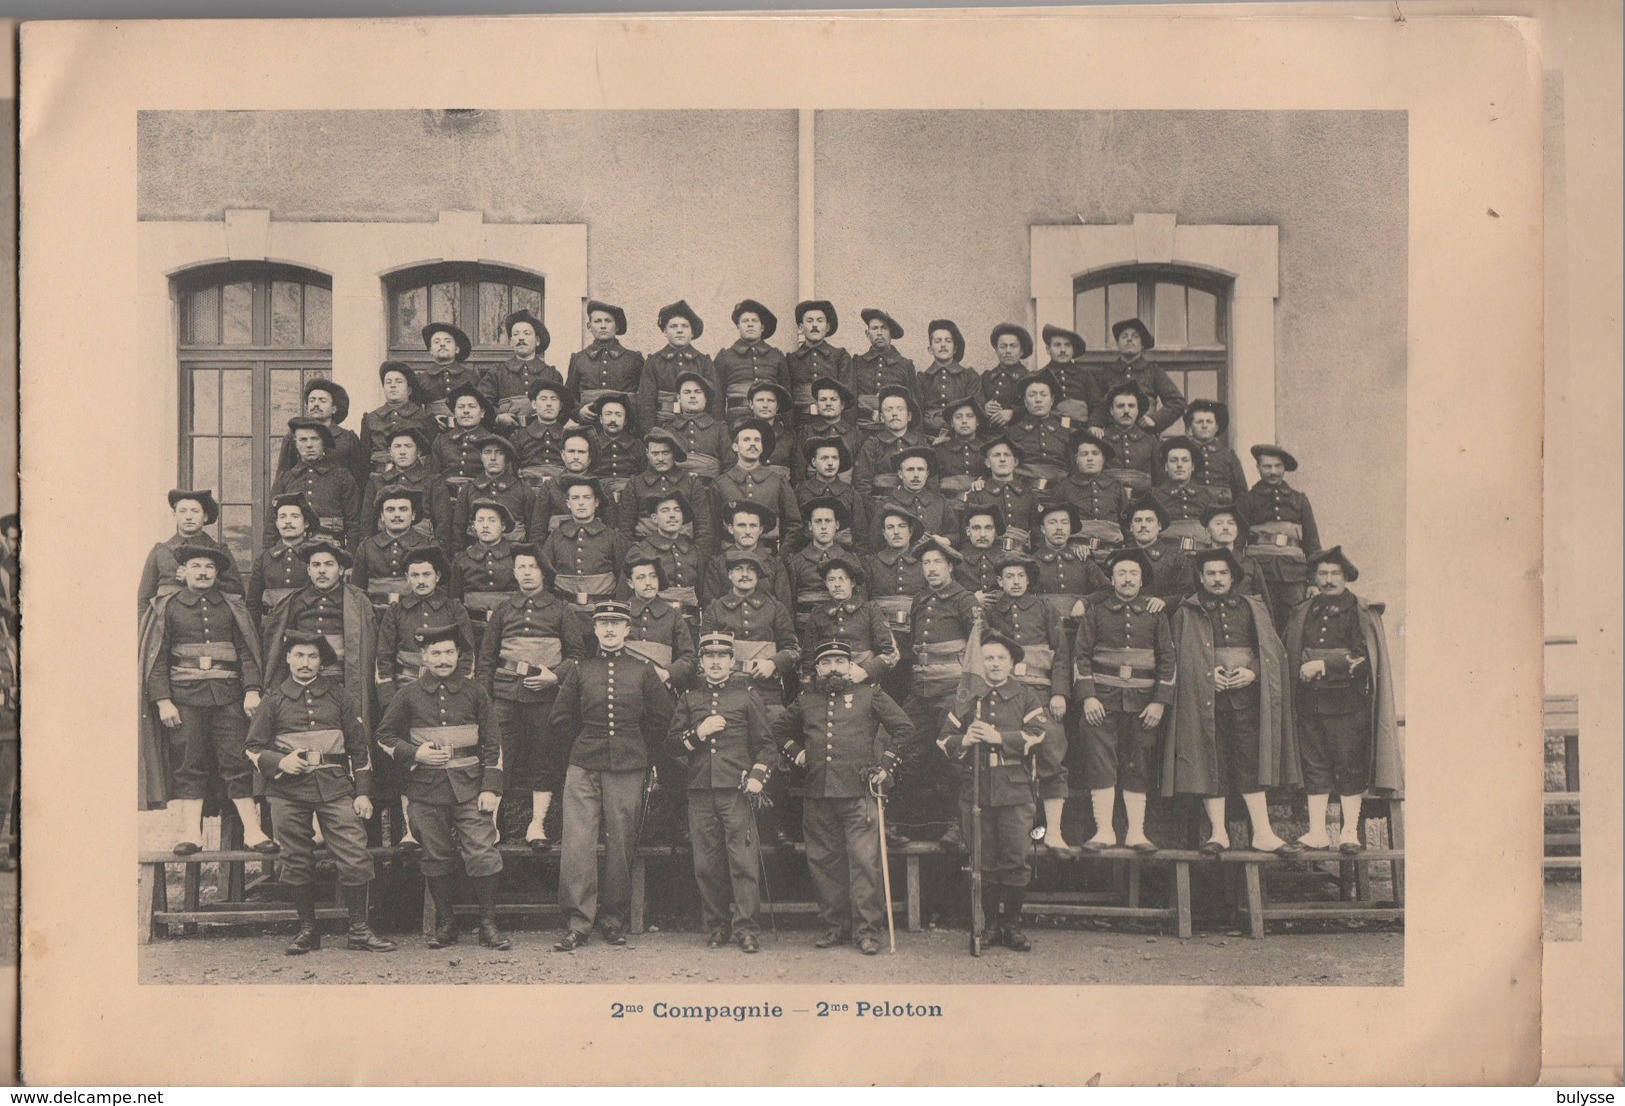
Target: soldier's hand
432	756
801	759
753	786
1001	418
860	674
1151	716
1355	662
251	702
1057	706
292	765
1312	670
1155	605
1148	422
542	680
711	724
507	420
363	807
1094	711
1221	678
1242	677
169	714
489	801
1097	431
761	669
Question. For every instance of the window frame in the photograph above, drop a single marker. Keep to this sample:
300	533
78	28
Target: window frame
468	276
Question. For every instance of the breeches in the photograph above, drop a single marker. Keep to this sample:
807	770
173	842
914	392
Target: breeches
449	831
1117	752
211	733
345	835
1006	841
1336	752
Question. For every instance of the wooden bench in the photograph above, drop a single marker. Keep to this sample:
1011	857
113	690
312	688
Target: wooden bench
1562	831
1260	911
909	906
1125	901
1562	722
532	907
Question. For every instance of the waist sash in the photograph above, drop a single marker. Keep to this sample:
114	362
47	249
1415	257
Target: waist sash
666	407
387	589
1135	669
1134	480
898	609
213	660
456	738
657	653
270	597
702	465
1045	472
1074	409
517	406
954	485
681	596
1064	605
887	480
1276	539
583	589
324	742
812	597
1034	669
1343	655
538	474
940	661
408	666
1233	656
484	602
526	656
1190	533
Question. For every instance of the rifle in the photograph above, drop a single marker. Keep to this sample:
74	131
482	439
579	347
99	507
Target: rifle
978	920
651	781
756	802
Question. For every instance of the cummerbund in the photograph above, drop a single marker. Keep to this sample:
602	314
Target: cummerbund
1135	669
1276	539
527	656
210	660
455	738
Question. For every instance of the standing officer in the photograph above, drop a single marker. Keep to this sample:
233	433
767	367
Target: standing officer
314	752
1123	672
1283	534
1001	728
605	365
402	409
750	361
1207	420
326	485
162	575
1073	379
1001	385
613	709
444	729
815	357
448	369
657	403
329	404
508	385
1165	402
946	380
1337	662
845	736
880	366
720	729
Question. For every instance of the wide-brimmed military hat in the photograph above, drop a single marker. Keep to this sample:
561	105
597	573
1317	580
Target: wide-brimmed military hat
616	313
580	480
1146	340
813	445
916	525
324	648
1005	440
464	346
325	432
297	499
414	384
819	305
921	452
533	550
400	491
952	328
567	395
843	516
780	393
1021	333
1336	555
765	514
907	395
501	508
706	386
1074	513
770	321
1019	560
681	310
649	504
973	402
1146	502
1042	376
936	543
1081	436
430	554
592	413
770	437
433	635
1217	509
1128	388
665	437
525	315
191	551
488	410
850	566
416	434
325	545
1182	441
497	441
1219	411
1051	332
202	497
639	557
874	314
1217	553
993	637
1266	450
733	558
992	509
827	383
341	397
1135	554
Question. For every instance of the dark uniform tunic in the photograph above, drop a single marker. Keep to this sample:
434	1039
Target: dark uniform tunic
1045	638
552	509
720	820
744	364
481	577
1185	504
1047	442
941	623
650	484
1221	471
313	611
875	468
331	492
1006	793
979	571
1101	501
159	576
706	440
1235	712
347	450
683	562
875	369
457	457
814	487
959	463
319	718
508	385
809	362
762	627
541	446
456	713
380	565
1135	465
860	625
1002	384
1334	710
1074	382
771	488
400	662
605	367
938	386
1015	498
1124	657
1172	577
277	572
806	570
615	456
1282	537
773	579
508	490
940	515
895	578
1166	400
845	428
1066	572
528	632
377	427
585	556
439	381
660	633
428	483
657	387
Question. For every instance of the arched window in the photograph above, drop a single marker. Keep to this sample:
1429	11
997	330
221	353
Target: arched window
1188	311
250	336
473	297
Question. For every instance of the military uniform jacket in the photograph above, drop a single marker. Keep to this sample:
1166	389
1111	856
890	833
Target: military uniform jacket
660	372
539	614
809	362
278	568
959	460
1002	384
507	490
814	487
430	485
551	505
939	514
1252	580
773	580
584	549
758	617
939	385
606	366
483	568
943	614
1046	439
615	709
861	626
650	484
347	451
401	622
1184	501
383	556
1099	497
1066	571
1167	401
541	443
331	492
766	486
806	570
1074	381
291	707
1171	575
1222	471
744	364
1332	623
203	618
616	455
1016	711
705	434
1029	621
894	572
743	747
1283	503
513	379
662	622
439	381
844	734
875	369
160	571
379	424
1015	498
845	428
979	571
681	558
875	458
1110	624
456	455
432	703
1135	448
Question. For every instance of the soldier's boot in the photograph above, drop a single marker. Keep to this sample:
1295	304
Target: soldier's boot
248	812
993	927
442	891
1265	838
1349	840
1218	838
308	939
1014	939
536	833
1103	800
360	936
1052	823
1135	838
188	815
485	891
1317	838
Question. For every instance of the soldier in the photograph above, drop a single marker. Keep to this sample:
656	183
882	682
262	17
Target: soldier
1181	496
499	481
770	403
1044	665
575	458
899	430
1043	435
329	404
200	678
444	729
746	523
680	560
1221	471
880	366
1226	730
660	479
914	493
1165	403
834	405
827	460
1123	672
403	409
1225	525
979	570
1282	531
704	436
843	617
1001	385
482	574
826	518
752	479
895	579
541	440
1015	496
1066	572
959	454
946	380
326	485
614	709
1008	723
720	729
529	638
605	366
448	369
162	575
1073	379
658	403
508	385
279	571
858	729
617	451
1170	578
750	361
456	453
1099	499
409	468
661	632
815	357
380	562
1342	691
339	611
583	551
314	753
1134	450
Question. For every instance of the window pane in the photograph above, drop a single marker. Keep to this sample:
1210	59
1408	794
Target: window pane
318	315
205	464
205	401
286	328
1091	317
287	398
528	298
237	405
237	531
493	309
236	470
1169	325
1122	302
238	316
203	316
411	316
443	303
1204	323
1202	384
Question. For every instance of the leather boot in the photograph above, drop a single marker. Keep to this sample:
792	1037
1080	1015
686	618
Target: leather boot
308	939
361	937
441	889
1013	937
485	890
993	931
